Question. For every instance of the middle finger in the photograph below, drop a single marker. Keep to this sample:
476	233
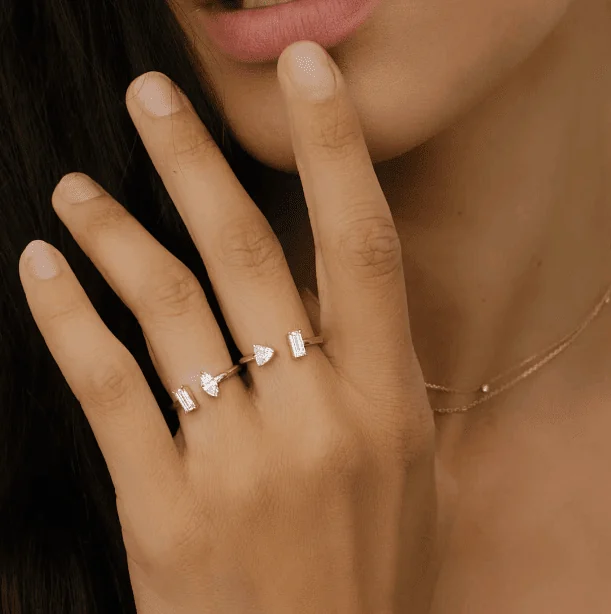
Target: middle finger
242	255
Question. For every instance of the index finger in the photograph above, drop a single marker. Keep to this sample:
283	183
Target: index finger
363	300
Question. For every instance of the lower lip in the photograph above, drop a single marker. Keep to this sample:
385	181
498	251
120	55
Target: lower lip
260	35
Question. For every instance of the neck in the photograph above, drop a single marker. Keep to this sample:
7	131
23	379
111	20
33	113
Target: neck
505	216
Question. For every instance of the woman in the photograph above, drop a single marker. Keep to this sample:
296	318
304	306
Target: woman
452	157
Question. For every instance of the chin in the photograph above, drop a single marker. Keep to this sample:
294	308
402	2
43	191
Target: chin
393	123
412	70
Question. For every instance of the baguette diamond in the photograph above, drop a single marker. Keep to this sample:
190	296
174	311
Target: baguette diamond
296	342
185	399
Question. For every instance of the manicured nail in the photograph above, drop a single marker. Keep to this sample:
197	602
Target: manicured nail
40	260
309	70
157	94
78	188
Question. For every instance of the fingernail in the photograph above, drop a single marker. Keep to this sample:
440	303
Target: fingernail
157	94
41	260
309	71
77	188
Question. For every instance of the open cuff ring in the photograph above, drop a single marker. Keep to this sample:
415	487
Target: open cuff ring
299	344
262	354
208	383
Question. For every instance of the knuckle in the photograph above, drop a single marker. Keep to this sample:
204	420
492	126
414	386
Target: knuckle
334	452
242	494
238	488
109	383
174	294
335	134
371	248
191	145
251	249
109	214
64	312
403	437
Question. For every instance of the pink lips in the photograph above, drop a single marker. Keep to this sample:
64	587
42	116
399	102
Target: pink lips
260	35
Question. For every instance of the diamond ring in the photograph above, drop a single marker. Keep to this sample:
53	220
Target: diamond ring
262	354
208	383
298	344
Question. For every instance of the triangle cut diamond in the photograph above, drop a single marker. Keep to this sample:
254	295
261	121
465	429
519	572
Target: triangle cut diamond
263	354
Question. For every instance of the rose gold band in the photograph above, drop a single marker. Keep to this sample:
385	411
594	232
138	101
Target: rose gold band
184	397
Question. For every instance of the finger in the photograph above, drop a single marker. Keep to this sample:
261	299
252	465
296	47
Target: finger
129	428
242	255
161	292
312	307
362	296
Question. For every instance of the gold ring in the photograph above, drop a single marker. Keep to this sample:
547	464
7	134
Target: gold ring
262	354
185	398
298	344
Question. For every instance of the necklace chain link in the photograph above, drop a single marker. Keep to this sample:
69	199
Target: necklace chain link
550	352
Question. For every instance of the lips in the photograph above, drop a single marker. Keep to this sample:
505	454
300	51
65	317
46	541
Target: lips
261	34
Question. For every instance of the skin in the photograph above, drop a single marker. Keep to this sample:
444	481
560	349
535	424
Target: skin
488	123
288	495
491	153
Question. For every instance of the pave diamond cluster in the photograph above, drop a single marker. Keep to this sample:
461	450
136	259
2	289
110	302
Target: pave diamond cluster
263	354
208	383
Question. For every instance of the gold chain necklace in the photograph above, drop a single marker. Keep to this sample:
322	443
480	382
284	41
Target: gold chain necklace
488	391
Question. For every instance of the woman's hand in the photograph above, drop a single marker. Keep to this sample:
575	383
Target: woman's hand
312	490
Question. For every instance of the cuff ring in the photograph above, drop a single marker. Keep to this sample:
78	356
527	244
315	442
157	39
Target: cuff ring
262	355
208	383
298	344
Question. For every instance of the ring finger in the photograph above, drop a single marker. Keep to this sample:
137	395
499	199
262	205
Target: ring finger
161	292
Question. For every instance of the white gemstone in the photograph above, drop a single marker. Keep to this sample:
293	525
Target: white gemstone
209	384
185	400
263	354
296	343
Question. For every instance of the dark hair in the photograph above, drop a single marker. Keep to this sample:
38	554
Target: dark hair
64	70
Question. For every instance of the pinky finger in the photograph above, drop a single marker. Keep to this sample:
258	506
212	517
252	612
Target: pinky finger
114	394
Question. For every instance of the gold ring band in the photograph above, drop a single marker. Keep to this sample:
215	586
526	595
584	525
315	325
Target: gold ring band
298	344
184	397
262	354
